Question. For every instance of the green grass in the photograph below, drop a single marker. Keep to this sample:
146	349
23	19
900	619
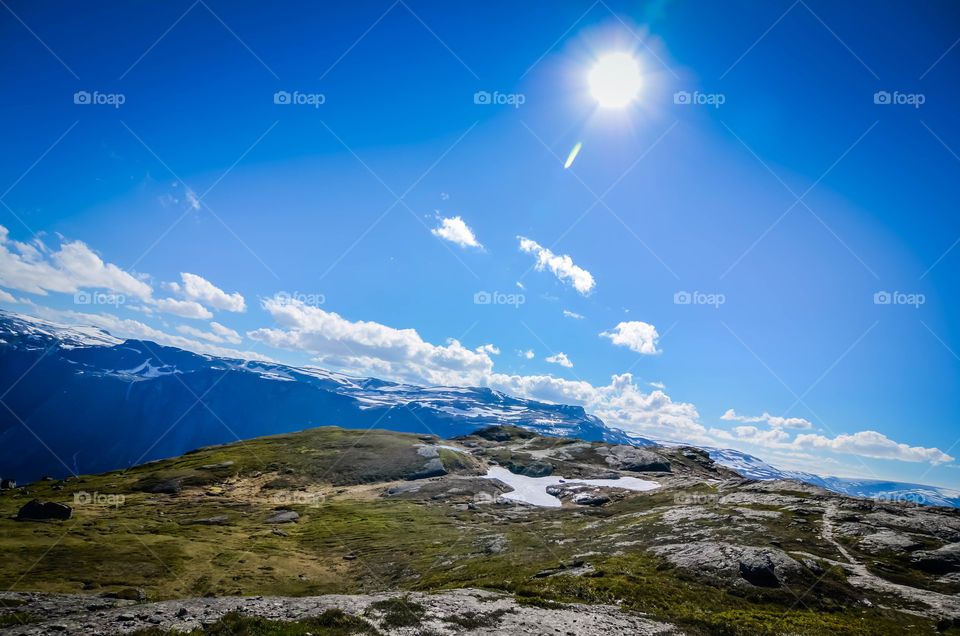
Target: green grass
399	612
402	543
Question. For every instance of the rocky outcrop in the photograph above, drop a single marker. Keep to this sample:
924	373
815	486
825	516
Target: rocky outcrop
283	516
634	459
442	614
888	540
433	468
44	510
759	566
941	561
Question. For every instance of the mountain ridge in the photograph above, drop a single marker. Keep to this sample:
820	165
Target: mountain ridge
169	391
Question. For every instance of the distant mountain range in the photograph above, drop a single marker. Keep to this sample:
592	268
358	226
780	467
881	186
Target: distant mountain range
81	401
78	400
750	466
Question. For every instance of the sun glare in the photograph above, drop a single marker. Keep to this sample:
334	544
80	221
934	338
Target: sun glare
615	80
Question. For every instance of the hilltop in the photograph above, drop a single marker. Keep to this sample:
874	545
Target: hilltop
377	515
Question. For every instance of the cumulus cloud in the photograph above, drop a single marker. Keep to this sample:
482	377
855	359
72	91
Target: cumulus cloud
570	314
638	336
183	308
35	268
370	347
455	230
528	354
620	404
561	359
488	348
863	443
561	266
199	289
771	420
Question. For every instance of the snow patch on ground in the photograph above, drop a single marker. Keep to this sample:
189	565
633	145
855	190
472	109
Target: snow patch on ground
533	490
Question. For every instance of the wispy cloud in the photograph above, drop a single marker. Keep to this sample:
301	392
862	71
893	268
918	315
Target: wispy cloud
560	265
771	420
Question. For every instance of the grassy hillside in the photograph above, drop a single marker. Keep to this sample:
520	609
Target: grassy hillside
370	520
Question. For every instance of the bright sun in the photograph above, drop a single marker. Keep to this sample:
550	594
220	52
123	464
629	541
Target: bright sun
615	80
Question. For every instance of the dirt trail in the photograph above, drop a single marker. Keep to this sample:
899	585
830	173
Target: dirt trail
943	605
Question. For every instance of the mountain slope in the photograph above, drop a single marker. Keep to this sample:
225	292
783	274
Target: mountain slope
351	512
81	400
755	468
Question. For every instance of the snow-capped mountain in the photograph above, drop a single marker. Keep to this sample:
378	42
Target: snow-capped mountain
81	400
755	468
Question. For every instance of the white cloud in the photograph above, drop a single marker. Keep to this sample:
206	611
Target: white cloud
520	285
863	443
35	268
183	308
488	348
771	420
620	404
126	328
561	266
218	333
658	385
561	359
199	289
528	354
570	314
872	444
638	336
228	334
7	297
370	347
456	231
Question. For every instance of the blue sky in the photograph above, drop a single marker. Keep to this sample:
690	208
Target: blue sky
340	233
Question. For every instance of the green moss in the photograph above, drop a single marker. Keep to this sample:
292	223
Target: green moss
399	612
16	618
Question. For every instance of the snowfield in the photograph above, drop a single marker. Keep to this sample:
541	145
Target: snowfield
533	490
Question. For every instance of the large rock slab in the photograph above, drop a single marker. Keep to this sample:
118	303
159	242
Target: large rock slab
44	510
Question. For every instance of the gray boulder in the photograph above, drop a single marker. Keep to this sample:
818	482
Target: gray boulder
433	468
940	561
43	510
283	516
636	460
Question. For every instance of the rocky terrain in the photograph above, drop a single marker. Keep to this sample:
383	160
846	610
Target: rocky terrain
622	539
453	612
